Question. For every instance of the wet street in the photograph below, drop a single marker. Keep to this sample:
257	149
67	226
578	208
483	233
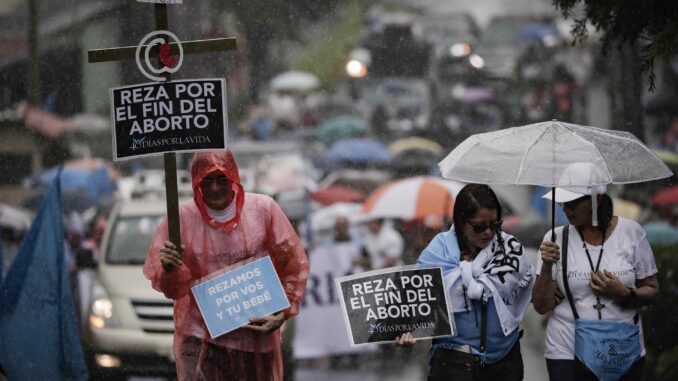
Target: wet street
402	365
368	368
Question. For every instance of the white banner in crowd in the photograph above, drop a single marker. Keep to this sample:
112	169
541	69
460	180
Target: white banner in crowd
321	330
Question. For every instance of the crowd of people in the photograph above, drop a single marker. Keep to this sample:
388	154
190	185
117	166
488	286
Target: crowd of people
594	331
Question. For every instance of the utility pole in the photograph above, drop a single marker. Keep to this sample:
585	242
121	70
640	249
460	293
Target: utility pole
33	51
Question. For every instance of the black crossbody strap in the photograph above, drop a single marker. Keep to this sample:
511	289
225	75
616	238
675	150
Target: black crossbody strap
566	284
483	323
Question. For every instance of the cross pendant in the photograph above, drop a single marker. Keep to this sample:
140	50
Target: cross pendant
599	306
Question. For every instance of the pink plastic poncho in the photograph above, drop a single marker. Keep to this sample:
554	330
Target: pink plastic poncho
258	226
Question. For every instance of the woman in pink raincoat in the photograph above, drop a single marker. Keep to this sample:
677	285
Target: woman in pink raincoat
220	228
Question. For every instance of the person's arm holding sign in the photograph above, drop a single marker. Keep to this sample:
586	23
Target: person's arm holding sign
165	267
291	264
170	258
406	340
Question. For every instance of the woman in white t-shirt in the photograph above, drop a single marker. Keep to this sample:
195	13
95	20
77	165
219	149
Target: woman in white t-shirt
611	274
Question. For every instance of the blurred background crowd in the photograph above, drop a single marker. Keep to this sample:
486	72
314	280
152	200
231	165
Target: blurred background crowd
342	117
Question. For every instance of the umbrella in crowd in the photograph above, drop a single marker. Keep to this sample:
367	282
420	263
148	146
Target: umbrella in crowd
553	154
360	151
341	127
666	197
364	181
333	194
413	198
294	81
415	143
415	156
670	158
14	218
84	183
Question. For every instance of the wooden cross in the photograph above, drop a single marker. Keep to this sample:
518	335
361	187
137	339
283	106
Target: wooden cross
599	306
170	160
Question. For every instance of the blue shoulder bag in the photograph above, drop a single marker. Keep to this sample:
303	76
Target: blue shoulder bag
607	348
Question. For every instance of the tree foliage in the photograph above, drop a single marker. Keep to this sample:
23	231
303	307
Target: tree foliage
660	321
654	23
264	21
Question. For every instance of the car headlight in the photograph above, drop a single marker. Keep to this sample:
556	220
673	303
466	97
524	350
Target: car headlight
460	49
101	310
356	69
476	61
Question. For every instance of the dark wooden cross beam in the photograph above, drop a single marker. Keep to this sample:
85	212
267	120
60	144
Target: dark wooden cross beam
190	47
170	159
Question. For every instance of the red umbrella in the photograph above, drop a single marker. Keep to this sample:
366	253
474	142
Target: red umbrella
336	193
666	196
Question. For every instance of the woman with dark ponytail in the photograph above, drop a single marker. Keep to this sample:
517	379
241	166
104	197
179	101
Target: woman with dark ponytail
596	334
489	281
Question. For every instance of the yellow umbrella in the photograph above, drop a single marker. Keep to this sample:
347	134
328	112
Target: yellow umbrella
414	142
627	209
667	157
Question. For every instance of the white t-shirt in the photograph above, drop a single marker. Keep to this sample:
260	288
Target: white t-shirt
386	244
627	254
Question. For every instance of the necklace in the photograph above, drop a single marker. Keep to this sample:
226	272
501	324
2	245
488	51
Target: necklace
598	306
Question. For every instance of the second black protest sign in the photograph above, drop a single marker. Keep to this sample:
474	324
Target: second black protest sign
381	305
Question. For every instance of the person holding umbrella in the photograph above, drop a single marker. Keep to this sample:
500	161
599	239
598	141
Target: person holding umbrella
611	272
489	281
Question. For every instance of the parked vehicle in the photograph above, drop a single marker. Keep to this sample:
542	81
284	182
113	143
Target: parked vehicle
130	327
446	28
507	36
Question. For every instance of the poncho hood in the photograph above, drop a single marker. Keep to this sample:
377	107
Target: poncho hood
208	162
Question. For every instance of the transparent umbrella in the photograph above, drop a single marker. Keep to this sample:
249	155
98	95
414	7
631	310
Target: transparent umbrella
544	154
294	81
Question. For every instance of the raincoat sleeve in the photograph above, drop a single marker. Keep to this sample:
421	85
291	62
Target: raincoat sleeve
174	284
288	256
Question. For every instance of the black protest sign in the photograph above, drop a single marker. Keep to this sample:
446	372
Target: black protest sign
381	305
153	118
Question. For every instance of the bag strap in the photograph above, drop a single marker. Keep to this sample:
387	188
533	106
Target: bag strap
566	231
566	284
483	323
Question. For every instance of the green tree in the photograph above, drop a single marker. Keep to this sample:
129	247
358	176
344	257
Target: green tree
660	322
641	32
265	21
653	23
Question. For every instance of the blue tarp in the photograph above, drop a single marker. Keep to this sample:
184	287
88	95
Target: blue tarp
536	32
96	183
360	151
38	332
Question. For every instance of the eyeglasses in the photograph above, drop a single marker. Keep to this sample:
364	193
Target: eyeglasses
207	182
574	203
480	228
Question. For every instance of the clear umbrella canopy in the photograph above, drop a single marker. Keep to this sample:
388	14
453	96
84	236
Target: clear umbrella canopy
294	81
540	153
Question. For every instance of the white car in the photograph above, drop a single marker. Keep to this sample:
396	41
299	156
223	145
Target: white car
130	327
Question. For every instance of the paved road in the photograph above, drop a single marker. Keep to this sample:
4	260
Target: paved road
377	368
394	365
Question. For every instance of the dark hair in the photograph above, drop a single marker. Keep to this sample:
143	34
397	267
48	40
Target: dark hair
605	208
469	200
